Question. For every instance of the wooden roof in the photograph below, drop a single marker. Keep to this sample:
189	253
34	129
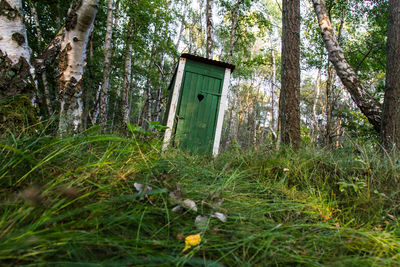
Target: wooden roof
209	61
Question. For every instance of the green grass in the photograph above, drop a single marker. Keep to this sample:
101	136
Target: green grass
72	202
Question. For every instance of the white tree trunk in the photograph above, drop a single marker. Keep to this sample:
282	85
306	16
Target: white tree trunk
235	15
158	103
273	89
369	106
79	24
316	100
16	72
182	27
209	48
127	79
107	63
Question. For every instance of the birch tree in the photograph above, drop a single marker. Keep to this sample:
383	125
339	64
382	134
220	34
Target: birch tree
78	26
127	76
107	62
16	71
368	105
209	22
235	15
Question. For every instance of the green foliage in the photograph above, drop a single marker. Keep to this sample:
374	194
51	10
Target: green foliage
73	202
358	127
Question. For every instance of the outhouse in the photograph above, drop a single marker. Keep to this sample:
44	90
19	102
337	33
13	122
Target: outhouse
196	105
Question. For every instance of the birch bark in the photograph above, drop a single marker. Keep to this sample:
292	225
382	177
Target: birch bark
127	80
76	33
16	72
209	20
316	100
369	106
235	15
107	63
183	21
273	85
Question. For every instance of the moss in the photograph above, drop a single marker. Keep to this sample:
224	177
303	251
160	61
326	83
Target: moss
17	114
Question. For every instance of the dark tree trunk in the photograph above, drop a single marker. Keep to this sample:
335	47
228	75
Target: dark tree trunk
329	106
390	133
45	95
290	92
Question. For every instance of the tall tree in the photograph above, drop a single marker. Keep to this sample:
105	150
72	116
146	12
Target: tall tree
76	33
16	71
390	133
46	92
290	91
235	15
209	20
107	62
127	75
368	105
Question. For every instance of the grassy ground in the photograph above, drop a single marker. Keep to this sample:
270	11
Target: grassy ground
74	202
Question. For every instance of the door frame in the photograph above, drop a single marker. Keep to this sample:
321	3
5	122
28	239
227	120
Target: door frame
174	104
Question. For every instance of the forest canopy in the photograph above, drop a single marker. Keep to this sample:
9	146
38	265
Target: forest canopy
88	62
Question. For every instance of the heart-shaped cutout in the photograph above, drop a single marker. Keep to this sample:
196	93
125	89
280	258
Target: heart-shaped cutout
200	97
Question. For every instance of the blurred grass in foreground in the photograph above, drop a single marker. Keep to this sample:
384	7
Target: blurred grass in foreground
73	202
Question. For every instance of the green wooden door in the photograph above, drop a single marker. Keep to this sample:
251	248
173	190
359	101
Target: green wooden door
198	109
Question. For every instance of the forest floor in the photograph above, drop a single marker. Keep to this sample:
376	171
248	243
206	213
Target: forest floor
106	200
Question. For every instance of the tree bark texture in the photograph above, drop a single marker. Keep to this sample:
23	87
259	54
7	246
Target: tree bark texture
316	100
16	72
88	90
390	134
273	84
290	92
209	48
76	33
369	106
49	54
235	15
148	105
329	105
127	81
46	91
157	109
107	63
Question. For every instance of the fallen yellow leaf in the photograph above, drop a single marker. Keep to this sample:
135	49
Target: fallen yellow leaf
191	241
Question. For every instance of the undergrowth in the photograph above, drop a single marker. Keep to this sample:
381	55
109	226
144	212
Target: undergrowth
74	202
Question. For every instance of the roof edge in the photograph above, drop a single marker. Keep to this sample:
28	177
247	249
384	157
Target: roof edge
209	61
